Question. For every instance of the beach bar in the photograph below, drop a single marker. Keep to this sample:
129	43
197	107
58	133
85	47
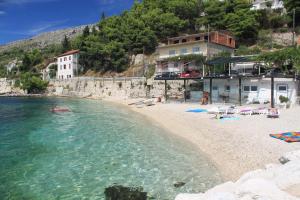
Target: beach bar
242	82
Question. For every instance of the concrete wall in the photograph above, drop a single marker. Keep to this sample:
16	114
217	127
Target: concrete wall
119	88
5	86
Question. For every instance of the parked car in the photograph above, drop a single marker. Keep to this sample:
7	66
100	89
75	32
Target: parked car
165	75
275	72
190	74
256	70
232	73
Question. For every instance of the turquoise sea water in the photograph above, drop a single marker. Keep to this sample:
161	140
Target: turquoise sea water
76	155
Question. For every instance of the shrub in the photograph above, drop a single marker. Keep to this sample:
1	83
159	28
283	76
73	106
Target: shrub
33	84
283	99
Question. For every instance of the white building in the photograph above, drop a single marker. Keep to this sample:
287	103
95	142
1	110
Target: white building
263	4
67	65
248	82
46	72
253	90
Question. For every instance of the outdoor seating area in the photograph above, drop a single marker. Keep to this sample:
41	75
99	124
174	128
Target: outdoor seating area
232	111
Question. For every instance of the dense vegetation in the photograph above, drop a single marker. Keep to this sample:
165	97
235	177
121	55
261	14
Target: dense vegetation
109	45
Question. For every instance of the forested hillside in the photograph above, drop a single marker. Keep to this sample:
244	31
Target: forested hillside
109	45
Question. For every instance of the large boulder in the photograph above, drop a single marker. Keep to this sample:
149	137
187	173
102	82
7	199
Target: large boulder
118	192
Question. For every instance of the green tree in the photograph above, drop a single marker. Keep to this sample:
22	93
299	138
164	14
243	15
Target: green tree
103	17
163	24
293	4
66	45
86	31
242	23
32	83
213	15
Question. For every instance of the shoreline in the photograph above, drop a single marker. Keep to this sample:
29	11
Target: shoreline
230	150
241	151
233	147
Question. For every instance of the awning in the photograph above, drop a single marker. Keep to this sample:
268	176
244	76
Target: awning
227	60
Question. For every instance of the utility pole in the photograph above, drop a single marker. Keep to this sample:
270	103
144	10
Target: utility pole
294	18
143	61
208	42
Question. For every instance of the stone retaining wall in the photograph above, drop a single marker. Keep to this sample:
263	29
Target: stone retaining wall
119	87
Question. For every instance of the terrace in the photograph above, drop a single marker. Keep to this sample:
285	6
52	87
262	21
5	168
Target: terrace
217	37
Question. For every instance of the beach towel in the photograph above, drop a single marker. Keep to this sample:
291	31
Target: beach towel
198	110
229	119
288	137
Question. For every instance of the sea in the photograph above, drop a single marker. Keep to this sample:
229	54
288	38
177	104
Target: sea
76	155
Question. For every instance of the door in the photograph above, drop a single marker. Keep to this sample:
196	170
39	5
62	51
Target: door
281	90
215	93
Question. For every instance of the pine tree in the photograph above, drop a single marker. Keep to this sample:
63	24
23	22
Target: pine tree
103	16
66	45
86	31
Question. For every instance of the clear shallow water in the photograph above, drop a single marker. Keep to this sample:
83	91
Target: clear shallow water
76	155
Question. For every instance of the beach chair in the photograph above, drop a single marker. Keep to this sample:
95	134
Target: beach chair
246	111
214	110
260	111
273	113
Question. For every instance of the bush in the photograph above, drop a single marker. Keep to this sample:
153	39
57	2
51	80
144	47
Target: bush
32	83
283	99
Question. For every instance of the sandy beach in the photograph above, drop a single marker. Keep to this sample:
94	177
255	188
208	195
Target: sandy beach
235	147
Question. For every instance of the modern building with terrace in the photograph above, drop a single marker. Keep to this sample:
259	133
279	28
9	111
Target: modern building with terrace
172	60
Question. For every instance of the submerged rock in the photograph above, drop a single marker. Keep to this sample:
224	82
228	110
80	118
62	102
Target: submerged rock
118	192
179	184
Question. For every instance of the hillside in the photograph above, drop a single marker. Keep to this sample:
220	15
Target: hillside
45	39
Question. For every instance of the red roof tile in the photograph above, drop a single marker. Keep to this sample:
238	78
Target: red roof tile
69	53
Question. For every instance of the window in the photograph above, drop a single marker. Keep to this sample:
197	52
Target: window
183	51
196	49
184	41
215	88
282	88
176	41
69	66
253	88
60	59
69	57
227	88
60	67
175	65
198	38
65	66
172	52
230	40
246	88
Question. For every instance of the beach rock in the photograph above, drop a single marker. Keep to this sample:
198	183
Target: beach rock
118	192
275	182
294	155
179	184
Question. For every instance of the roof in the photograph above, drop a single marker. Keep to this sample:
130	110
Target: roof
69	53
226	60
223	32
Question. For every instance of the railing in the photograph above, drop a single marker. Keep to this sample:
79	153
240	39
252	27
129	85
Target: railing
83	78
